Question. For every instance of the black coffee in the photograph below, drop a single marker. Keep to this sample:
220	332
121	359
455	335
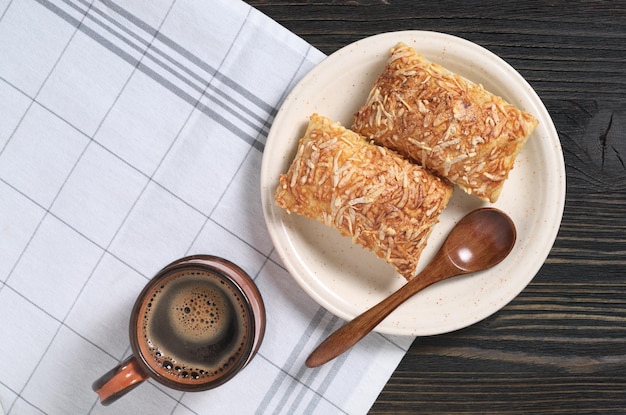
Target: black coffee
195	326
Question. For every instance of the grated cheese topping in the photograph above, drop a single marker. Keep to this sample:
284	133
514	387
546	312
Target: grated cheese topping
446	123
381	200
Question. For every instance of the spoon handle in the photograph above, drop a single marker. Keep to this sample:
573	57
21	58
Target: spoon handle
353	331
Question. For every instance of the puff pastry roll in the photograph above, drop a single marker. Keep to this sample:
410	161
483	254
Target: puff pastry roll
444	122
381	200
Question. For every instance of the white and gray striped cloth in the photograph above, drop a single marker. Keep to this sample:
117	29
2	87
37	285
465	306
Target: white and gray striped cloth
131	134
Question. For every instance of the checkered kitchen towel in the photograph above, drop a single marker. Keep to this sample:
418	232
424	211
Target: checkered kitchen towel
131	134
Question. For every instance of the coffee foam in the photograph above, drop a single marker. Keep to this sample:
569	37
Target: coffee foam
201	314
194	326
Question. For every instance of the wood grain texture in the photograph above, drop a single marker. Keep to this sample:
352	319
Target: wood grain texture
560	346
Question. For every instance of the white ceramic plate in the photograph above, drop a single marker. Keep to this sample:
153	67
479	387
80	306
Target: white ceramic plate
345	278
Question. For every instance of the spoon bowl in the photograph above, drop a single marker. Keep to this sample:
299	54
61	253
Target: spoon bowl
496	233
479	241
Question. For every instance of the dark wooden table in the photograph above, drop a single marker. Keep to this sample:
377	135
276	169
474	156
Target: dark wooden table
560	346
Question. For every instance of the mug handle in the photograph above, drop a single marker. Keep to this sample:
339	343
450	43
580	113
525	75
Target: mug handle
119	381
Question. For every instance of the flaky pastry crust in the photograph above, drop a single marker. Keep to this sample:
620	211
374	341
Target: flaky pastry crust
444	122
381	200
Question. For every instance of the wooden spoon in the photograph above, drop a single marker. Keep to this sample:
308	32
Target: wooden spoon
479	241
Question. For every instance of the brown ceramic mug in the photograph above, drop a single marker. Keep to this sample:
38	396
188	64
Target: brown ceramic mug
194	326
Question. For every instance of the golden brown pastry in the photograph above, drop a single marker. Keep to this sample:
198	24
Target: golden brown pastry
444	122
381	200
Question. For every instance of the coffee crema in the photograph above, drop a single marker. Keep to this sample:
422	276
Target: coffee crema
195	326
